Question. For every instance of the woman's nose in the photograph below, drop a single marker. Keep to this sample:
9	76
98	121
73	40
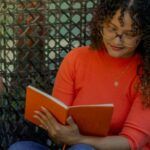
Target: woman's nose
118	40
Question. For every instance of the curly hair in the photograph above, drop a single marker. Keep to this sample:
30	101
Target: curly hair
140	15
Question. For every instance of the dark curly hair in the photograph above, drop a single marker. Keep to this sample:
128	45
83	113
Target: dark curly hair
140	13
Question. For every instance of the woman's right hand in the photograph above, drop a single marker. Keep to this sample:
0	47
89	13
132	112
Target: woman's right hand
68	134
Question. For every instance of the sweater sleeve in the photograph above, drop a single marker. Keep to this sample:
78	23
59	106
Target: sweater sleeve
64	83
137	125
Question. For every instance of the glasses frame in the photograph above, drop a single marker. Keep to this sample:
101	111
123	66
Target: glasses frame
122	37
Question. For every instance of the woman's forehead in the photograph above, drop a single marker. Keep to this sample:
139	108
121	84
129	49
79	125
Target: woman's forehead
126	19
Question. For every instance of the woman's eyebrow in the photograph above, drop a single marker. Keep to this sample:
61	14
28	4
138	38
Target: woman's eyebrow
128	30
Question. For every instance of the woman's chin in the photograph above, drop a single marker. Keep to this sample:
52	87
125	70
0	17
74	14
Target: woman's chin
116	54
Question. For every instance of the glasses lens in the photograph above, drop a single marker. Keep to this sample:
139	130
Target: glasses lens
108	34
128	40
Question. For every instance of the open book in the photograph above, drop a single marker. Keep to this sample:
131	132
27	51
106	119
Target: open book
91	119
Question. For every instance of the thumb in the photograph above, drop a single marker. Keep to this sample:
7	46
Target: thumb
70	121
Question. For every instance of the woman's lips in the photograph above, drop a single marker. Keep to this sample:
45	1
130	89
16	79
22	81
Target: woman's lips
115	48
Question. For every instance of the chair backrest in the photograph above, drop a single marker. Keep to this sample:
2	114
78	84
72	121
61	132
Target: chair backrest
35	35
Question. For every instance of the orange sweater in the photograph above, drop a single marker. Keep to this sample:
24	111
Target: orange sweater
87	77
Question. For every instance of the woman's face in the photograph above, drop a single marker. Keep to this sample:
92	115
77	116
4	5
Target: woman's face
120	40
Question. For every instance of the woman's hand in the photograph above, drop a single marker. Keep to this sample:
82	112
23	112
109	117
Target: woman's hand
68	134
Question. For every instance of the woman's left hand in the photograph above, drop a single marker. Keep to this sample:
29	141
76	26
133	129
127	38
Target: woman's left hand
67	134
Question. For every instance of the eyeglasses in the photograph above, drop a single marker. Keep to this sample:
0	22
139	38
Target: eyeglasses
128	38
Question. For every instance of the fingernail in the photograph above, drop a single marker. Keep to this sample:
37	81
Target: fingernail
34	116
36	111
43	107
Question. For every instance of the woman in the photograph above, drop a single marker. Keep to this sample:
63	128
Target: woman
115	68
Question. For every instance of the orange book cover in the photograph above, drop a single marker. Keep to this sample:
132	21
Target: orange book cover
91	119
